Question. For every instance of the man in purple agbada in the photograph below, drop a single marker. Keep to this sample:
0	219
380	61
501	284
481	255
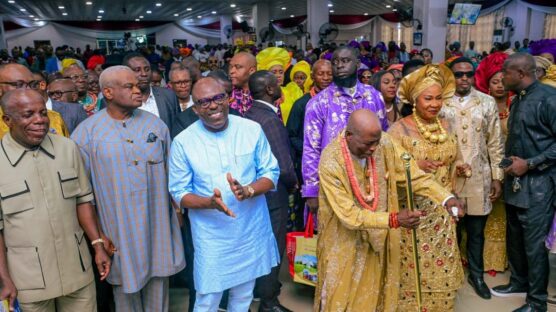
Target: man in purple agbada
327	114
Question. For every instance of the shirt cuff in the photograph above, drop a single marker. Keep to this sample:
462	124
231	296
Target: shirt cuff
85	198
310	191
447	199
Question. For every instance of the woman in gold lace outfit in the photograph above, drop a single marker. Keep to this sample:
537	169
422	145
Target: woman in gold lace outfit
488	79
429	140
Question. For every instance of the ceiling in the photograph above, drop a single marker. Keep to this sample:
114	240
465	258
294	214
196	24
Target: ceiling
130	10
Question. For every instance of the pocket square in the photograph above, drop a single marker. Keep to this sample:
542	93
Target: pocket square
151	138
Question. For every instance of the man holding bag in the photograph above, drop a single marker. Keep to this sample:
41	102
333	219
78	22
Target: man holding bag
359	174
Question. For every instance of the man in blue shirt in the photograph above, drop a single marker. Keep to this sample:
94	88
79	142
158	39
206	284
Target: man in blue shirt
224	164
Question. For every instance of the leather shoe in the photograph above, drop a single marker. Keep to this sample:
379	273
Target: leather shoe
509	290
479	286
276	308
528	308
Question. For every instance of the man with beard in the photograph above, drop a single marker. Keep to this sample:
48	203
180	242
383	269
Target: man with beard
265	89
473	117
125	151
160	102
529	186
327	114
219	168
242	65
84	97
180	82
72	114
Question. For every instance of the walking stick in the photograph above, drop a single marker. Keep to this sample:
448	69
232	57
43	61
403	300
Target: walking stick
406	157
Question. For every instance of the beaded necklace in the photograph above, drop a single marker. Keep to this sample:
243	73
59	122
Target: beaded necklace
427	131
370	174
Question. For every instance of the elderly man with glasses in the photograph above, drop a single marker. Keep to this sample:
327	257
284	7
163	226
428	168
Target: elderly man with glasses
219	167
17	76
87	99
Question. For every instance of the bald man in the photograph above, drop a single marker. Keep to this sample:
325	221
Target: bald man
17	76
529	188
364	227
125	150
45	211
242	65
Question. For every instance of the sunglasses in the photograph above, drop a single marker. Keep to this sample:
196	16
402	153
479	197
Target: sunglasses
460	74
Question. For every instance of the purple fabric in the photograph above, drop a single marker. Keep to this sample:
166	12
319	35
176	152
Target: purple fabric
326	116
543	46
551	238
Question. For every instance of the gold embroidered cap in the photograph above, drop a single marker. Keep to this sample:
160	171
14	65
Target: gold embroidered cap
412	85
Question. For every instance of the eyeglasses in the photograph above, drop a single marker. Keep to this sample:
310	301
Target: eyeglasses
58	94
219	99
181	83
33	84
460	74
77	77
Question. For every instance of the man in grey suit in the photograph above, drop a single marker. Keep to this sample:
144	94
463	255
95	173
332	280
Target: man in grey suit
159	101
73	114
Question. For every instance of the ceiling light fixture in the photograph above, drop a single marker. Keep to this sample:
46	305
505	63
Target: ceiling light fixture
241	15
330	5
331	11
199	16
366	14
64	14
22	10
61	7
189	9
292	15
213	12
99	16
283	8
141	16
36	19
158	4
100	11
149	12
137	20
11	1
395	10
31	16
232	5
176	14
88	3
388	6
98	19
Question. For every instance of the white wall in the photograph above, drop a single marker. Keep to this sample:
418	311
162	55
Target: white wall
57	38
166	35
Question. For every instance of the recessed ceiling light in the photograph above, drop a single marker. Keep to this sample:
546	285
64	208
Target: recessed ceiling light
89	3
11	1
22	10
331	11
158	4
176	14
283	8
98	19
292	15
61	7
330	5
137	19
35	19
395	10
199	16
31	16
64	14
99	16
100	11
232	5
366	14
149	12
213	12
189	9
388	6
141	16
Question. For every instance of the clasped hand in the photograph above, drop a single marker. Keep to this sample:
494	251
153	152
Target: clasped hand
239	192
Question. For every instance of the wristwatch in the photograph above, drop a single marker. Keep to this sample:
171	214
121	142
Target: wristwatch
531	165
250	191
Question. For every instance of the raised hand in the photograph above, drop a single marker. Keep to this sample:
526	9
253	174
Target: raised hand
218	203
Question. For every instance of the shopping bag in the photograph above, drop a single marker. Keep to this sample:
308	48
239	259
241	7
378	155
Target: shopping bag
302	254
5	306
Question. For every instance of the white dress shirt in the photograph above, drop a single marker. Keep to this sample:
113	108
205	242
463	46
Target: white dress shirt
150	105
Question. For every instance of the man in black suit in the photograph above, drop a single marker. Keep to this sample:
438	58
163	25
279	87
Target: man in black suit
72	114
159	101
265	90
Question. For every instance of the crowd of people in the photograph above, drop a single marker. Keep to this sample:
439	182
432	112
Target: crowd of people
128	172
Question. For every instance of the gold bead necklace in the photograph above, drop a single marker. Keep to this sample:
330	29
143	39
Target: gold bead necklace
428	131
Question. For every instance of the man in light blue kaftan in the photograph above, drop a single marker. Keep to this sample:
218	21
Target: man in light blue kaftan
225	164
125	151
